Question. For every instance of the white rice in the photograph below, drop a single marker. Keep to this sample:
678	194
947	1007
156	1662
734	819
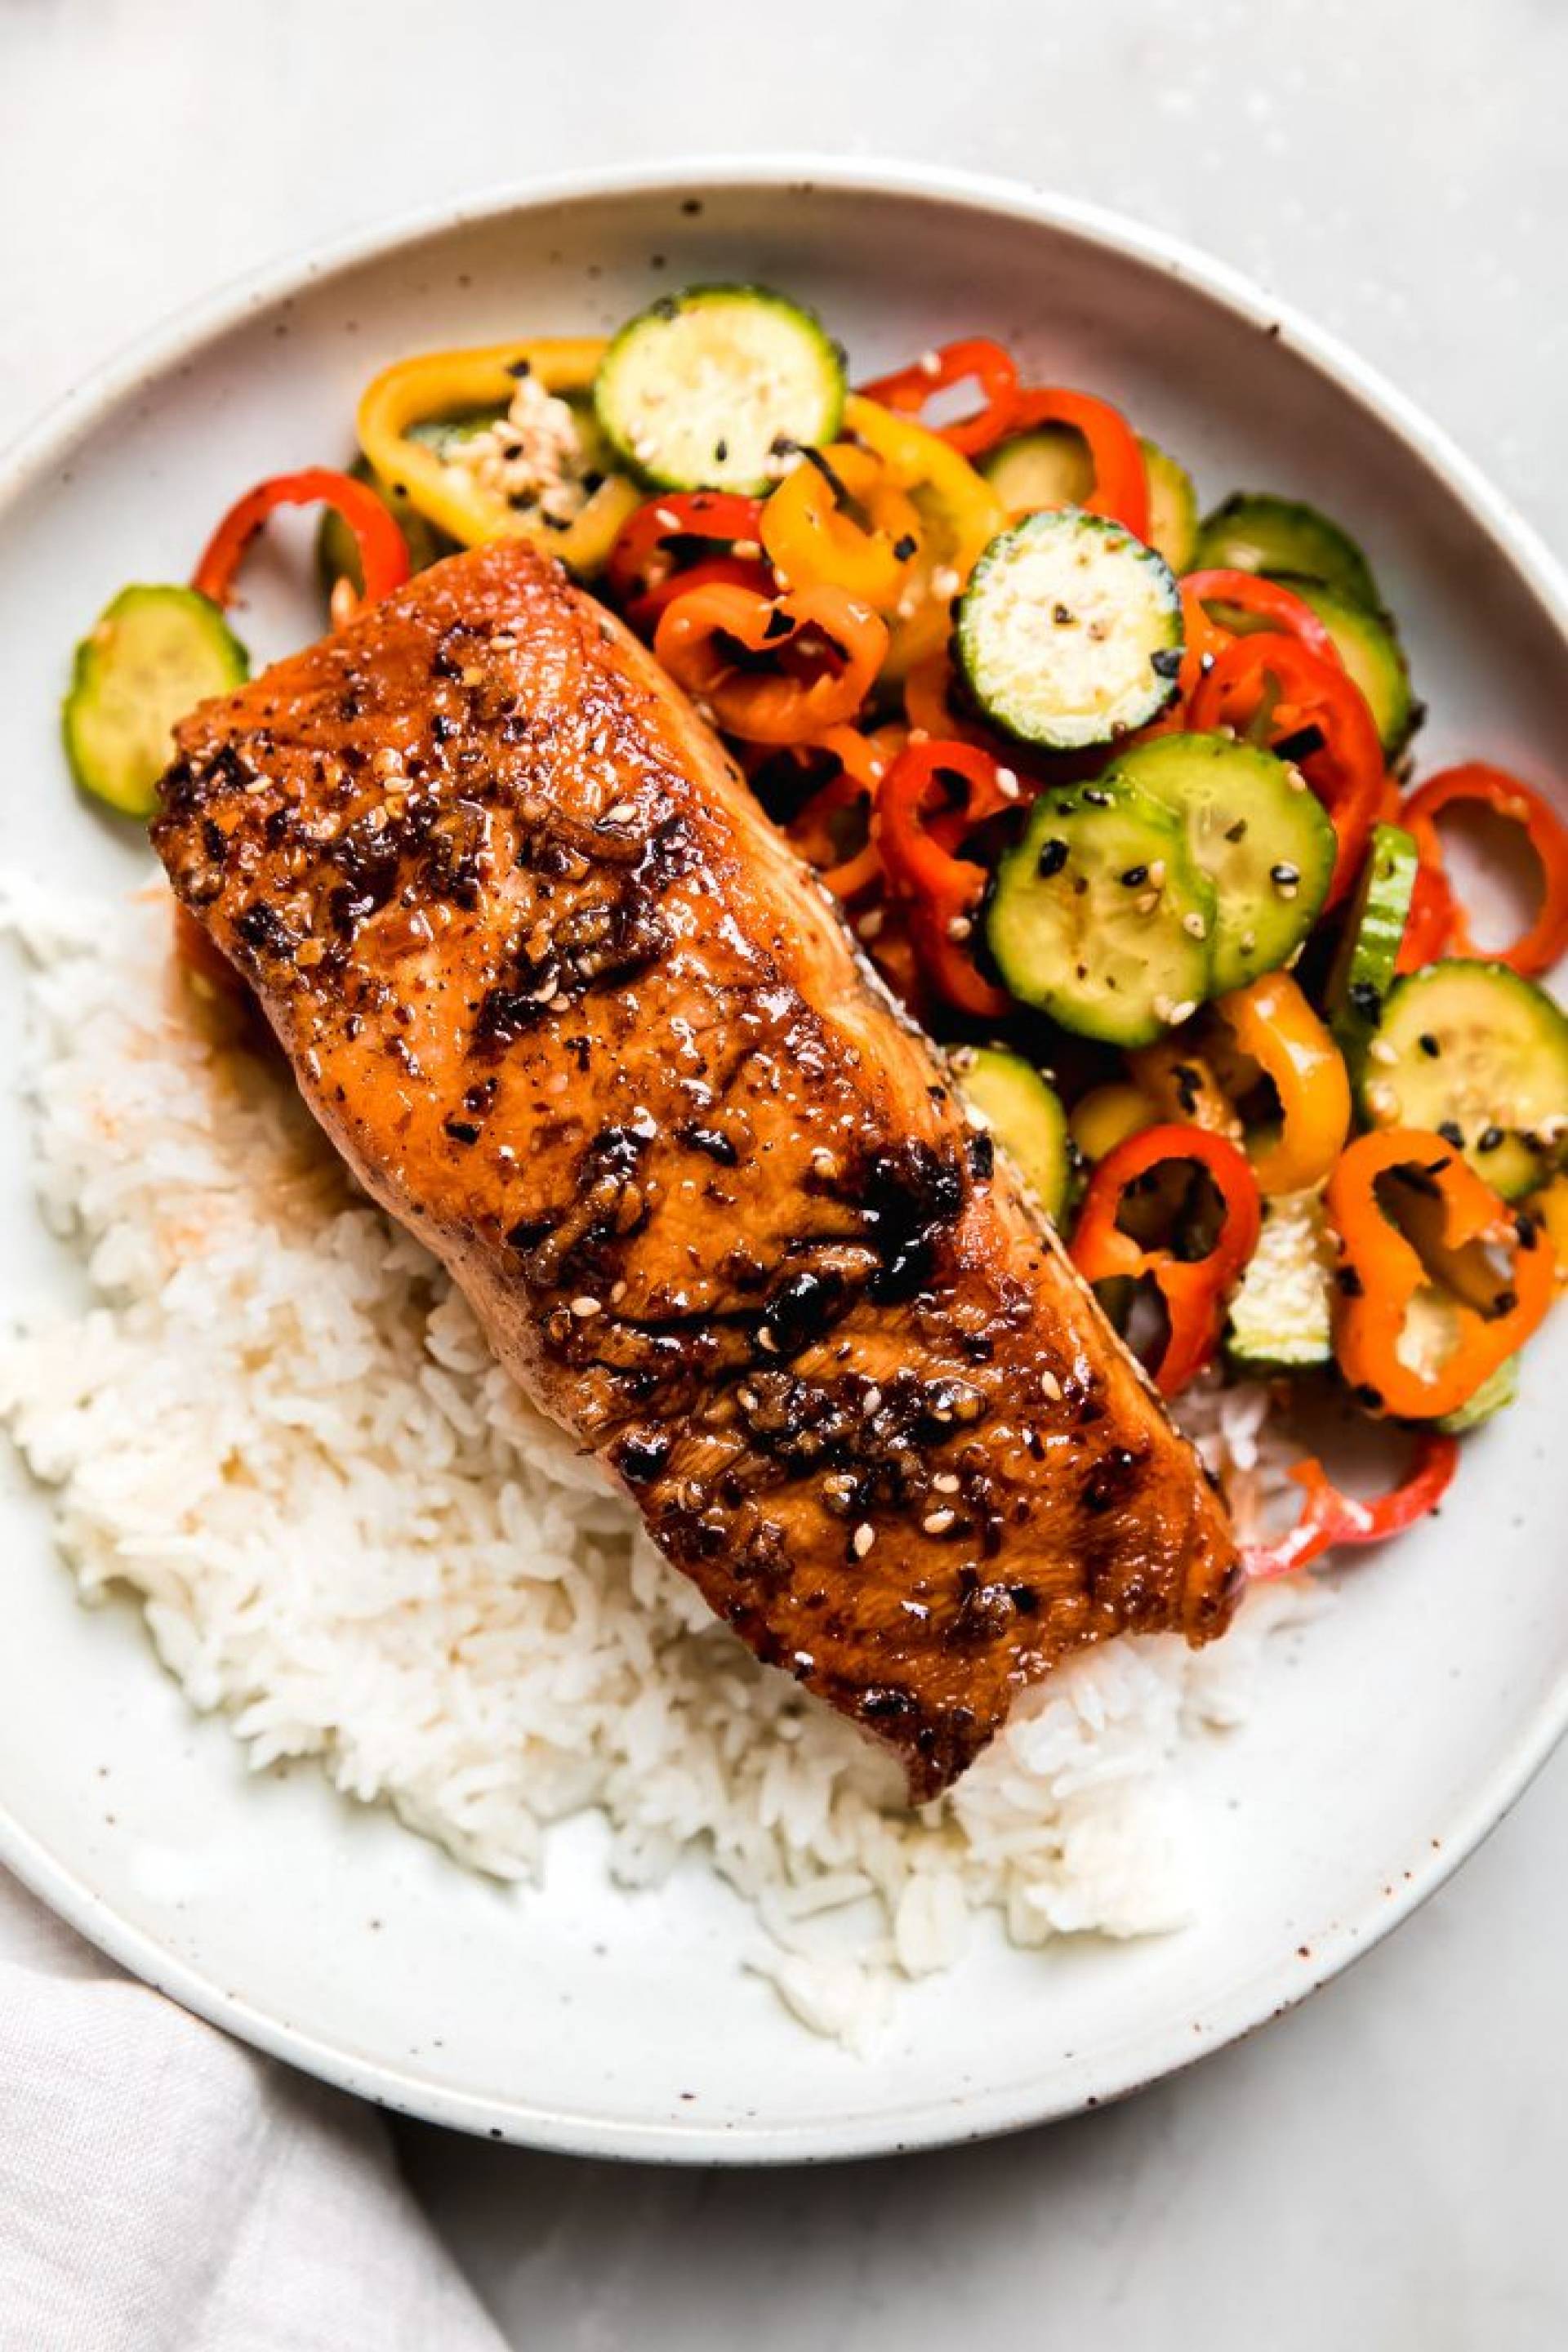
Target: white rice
279	1425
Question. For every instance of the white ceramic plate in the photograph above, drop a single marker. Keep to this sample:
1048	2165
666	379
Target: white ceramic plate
1391	1737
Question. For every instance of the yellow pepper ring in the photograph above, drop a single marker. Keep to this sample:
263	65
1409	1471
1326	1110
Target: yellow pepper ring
443	383
1273	1026
964	504
814	543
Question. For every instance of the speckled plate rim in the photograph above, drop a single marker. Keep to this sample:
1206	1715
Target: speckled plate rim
1261	1998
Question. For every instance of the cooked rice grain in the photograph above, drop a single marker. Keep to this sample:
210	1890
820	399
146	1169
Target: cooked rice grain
278	1423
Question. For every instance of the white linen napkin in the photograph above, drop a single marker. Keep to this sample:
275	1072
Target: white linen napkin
163	2188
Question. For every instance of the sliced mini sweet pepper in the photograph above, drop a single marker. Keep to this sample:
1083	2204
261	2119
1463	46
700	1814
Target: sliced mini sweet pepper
1546	940
383	549
1273	1025
910	389
960	513
1329	1519
1265	605
706	639
930	798
1120	477
1309	712
1193	1289
1382	1271
813	540
440	384
863	761
683	541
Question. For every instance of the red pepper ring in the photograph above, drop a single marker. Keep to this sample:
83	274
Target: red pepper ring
1193	1289
642	612
705	635
1329	1518
383	549
1346	771
909	391
721	516
1265	602
918	825
1120	477
1546	940
862	764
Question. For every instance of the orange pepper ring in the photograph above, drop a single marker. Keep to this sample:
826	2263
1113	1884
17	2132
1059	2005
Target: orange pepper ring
771	708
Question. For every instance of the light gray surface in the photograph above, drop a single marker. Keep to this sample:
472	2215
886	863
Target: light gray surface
1386	2165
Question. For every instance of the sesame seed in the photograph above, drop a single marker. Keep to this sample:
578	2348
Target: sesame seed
619	813
958	927
870	924
1194	925
1380	1050
945	1483
1157	873
930	363
1182	1011
871	1401
748	550
1163	1008
1382	1101
1148	902
766	1342
945	583
823	1164
584	1306
1051	1387
865	1536
1007	784
667	519
746	1399
937	1523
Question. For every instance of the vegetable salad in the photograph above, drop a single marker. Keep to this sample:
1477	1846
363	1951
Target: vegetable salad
1119	798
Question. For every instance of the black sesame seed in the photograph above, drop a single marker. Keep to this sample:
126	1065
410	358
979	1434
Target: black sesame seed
1452	1132
1505	1302
1285	874
1167	662
1135	877
1052	858
1428	1045
1351	1285
1488	1138
462	1130
1094	798
1365	1394
1365	999
904	547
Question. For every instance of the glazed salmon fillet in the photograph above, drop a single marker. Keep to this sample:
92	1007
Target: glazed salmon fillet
571	1009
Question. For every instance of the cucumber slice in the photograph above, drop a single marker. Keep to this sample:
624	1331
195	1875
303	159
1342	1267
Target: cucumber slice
710	388
1048	467
153	654
1024	1113
1281	1312
1173	507
1100	918
1254	533
337	549
1498	1390
1069	631
1253	827
1371	655
1475	1051
1368	952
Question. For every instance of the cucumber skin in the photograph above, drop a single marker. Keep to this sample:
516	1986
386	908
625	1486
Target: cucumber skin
666	307
1512	1171
89	653
1023	861
968	616
1020	1078
1141	768
1339	564
1369	953
1496	1393
1265	1347
1392	705
1178	542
